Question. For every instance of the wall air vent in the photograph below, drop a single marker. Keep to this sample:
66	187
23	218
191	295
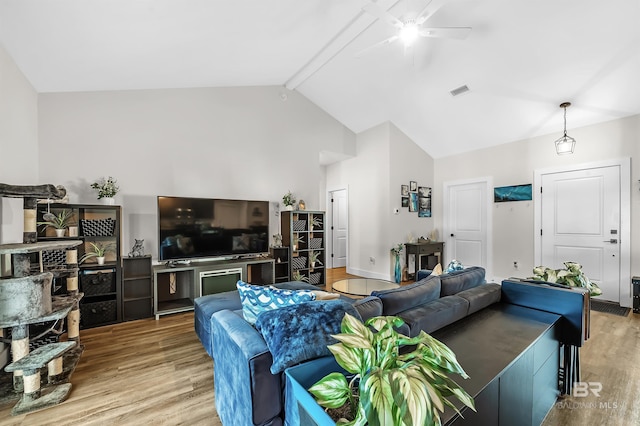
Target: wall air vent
459	91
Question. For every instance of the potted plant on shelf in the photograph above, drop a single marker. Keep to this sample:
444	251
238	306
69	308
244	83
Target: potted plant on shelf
98	250
572	276
58	221
313	258
316	221
297	276
387	385
297	240
288	200
107	189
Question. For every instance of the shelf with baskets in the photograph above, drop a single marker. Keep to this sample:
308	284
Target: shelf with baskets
98	227
303	231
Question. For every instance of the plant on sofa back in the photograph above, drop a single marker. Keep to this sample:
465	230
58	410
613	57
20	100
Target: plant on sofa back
572	277
390	387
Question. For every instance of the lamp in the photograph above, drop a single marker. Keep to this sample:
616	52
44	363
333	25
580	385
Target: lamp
565	144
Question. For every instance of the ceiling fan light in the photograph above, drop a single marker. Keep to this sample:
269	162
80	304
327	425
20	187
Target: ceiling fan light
409	33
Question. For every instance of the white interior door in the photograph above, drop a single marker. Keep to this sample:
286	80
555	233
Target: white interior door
466	220
339	228
580	222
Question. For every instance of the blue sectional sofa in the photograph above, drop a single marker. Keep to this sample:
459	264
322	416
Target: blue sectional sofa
247	393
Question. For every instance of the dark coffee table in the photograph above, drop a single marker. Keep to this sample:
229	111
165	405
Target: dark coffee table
362	286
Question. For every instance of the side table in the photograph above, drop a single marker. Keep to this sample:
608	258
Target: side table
423	249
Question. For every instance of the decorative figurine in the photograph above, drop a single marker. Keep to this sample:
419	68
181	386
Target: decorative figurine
137	249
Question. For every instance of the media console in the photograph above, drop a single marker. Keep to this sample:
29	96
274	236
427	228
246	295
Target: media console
175	287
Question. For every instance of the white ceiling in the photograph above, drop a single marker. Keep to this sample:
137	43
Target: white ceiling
521	60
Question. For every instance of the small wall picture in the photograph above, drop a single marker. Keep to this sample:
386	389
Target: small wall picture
424	206
413	186
404	190
405	201
413	201
424	191
512	193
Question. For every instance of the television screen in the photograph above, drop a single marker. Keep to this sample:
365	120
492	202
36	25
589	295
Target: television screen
204	227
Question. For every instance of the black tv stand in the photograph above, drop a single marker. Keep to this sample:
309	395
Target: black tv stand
177	283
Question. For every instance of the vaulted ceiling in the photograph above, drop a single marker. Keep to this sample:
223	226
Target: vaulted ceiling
520	61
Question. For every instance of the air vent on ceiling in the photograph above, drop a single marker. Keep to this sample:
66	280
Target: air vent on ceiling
459	91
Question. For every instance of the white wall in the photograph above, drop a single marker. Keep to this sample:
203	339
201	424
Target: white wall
18	153
18	143
514	163
241	143
385	159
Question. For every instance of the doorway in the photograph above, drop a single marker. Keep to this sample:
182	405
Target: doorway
467	222
582	216
338	227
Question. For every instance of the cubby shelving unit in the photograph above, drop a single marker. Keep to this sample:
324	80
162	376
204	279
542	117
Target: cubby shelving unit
304	232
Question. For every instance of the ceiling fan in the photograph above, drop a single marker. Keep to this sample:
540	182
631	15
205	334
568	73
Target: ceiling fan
409	29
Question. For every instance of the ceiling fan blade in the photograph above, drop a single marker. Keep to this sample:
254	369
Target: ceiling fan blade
459	33
429	10
383	15
376	45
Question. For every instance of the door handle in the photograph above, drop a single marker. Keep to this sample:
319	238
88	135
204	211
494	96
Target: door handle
612	241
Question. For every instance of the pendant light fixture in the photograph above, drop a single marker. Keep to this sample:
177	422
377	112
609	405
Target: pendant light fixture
566	143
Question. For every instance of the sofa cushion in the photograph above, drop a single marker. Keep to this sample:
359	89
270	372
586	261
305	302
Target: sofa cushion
206	306
368	307
409	296
435	315
481	296
456	281
256	299
302	332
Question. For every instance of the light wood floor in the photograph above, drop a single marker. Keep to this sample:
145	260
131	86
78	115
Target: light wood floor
151	372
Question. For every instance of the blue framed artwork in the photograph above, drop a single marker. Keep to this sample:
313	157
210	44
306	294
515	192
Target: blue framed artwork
413	201
512	193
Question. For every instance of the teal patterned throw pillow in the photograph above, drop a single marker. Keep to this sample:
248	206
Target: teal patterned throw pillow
257	298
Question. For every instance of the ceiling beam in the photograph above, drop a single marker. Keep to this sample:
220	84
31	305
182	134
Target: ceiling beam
342	39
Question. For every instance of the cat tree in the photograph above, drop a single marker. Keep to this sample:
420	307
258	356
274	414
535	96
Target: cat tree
26	299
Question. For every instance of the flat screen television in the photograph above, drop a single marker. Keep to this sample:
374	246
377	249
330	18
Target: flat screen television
191	228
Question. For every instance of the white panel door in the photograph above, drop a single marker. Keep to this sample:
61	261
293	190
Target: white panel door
339	227
581	223
466	233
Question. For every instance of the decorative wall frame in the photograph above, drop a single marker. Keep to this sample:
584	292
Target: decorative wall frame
512	193
404	190
413	186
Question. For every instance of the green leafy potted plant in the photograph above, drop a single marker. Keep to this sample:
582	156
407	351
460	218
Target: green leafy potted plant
316	222
572	276
99	251
297	276
59	221
288	200
390	386
313	258
107	189
297	239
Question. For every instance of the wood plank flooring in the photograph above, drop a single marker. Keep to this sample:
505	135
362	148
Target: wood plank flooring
151	372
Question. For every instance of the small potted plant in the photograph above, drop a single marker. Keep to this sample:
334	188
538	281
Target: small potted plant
313	258
97	250
418	381
107	189
297	240
297	276
316	221
288	200
59	221
572	276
